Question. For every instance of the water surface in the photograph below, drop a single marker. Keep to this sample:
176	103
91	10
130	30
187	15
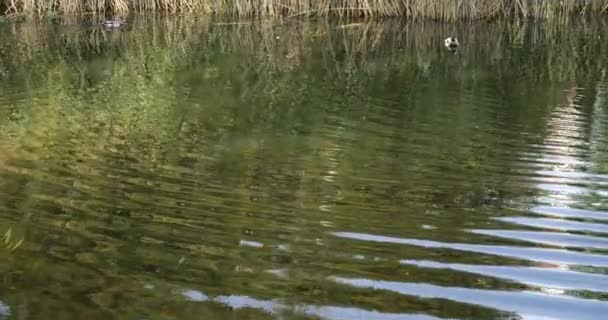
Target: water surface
193	169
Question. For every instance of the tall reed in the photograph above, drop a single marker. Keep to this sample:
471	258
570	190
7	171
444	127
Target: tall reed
446	10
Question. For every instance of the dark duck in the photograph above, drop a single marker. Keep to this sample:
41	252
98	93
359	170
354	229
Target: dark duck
112	24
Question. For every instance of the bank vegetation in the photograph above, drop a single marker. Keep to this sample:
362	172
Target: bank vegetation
446	10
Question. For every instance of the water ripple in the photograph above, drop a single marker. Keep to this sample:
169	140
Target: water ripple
550	238
565	212
533	276
527	304
554	256
277	307
556	224
5	310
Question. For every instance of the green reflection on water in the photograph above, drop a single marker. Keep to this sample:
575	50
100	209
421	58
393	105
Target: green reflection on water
179	154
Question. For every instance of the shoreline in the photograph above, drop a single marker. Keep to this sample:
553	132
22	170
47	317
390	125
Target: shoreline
434	10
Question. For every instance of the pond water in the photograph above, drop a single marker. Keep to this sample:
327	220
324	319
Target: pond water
185	168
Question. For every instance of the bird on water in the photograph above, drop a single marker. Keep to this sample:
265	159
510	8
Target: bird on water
113	23
451	43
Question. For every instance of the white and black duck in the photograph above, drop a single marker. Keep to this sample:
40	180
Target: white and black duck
451	43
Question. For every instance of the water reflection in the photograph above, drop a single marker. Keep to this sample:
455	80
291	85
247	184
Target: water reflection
533	276
566	212
558	239
275	307
551	256
557	224
528	305
254	161
5	310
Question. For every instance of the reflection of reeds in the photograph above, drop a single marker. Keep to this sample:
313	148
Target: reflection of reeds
434	9
9	242
113	76
272	46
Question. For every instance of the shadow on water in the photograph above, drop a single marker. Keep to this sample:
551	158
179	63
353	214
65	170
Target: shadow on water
192	168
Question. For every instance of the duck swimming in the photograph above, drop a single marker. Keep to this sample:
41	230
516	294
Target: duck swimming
451	43
113	23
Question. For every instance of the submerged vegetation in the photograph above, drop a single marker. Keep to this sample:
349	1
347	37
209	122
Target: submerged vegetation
414	9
